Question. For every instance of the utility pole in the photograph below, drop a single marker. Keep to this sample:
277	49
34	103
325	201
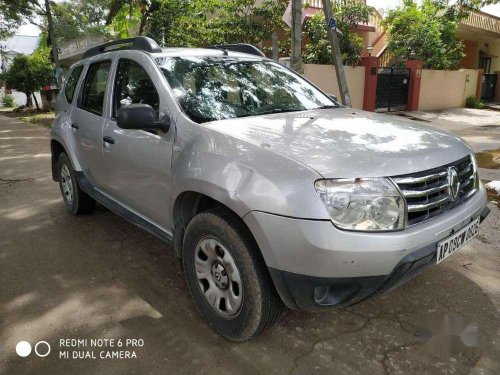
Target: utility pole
275	48
296	58
337	57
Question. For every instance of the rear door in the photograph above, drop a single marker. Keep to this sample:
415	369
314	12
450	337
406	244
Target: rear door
87	119
138	162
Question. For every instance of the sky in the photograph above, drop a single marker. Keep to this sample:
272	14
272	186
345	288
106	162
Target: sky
386	4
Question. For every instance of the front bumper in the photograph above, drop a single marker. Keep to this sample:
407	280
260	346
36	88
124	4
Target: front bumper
314	264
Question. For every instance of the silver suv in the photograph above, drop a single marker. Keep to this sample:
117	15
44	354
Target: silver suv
272	194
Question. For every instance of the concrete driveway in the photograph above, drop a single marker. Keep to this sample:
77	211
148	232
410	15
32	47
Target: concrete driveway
99	277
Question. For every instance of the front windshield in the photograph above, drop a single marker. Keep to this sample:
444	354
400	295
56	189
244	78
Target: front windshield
217	88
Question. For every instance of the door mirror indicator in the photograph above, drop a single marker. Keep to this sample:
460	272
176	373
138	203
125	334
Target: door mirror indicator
141	117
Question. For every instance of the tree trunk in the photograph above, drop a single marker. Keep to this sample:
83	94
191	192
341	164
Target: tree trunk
53	41
144	19
29	101
36	102
296	58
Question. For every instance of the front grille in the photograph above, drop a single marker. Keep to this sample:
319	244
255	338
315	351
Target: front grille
427	193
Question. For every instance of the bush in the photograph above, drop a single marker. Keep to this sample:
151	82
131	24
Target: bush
473	102
8	101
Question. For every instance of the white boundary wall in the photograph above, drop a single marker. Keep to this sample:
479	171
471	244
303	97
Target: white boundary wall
441	89
324	77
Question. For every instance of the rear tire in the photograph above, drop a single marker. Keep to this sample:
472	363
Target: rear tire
222	262
75	199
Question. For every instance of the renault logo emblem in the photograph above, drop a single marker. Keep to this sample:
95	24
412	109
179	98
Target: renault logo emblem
453	183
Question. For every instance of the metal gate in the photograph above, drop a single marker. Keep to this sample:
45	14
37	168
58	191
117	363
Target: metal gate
488	89
392	89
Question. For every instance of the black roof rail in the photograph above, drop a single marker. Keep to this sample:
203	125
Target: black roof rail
141	43
241	47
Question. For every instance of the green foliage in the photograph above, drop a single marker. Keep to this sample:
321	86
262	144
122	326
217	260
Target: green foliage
196	23
8	101
126	22
426	33
28	73
12	14
74	18
348	15
473	102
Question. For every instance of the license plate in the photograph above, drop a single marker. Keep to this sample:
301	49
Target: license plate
456	241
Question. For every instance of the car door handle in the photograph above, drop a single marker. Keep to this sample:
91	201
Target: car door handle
108	140
75	126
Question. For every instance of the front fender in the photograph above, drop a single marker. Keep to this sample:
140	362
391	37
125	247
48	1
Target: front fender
245	177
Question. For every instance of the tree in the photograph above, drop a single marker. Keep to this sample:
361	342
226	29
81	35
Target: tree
427	32
198	23
126	22
30	11
348	16
138	12
180	23
9	22
29	73
80	17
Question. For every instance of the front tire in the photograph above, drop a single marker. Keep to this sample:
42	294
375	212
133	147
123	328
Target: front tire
75	199
227	277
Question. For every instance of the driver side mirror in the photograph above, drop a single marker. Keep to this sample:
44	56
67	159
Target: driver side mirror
140	117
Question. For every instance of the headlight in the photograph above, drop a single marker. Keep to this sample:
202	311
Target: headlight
477	180
365	204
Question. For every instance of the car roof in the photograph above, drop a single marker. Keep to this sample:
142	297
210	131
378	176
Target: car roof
215	51
202	52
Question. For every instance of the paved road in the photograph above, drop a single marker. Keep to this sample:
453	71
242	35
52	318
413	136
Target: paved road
65	277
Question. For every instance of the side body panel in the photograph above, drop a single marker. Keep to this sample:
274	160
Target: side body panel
61	130
241	175
138	165
88	129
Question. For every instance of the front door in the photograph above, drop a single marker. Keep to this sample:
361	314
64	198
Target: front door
87	120
138	162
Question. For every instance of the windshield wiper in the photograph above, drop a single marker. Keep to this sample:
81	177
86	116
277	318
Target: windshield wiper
276	110
328	106
279	110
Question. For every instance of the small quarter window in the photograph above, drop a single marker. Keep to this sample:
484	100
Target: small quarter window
94	88
70	87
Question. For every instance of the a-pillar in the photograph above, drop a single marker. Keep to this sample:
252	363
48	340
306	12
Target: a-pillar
415	67
371	64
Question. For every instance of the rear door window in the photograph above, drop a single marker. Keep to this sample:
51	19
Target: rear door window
94	87
70	87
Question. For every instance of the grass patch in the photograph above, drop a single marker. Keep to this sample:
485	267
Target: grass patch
41	119
32	116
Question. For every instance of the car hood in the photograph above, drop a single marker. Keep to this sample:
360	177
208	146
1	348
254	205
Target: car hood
347	143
